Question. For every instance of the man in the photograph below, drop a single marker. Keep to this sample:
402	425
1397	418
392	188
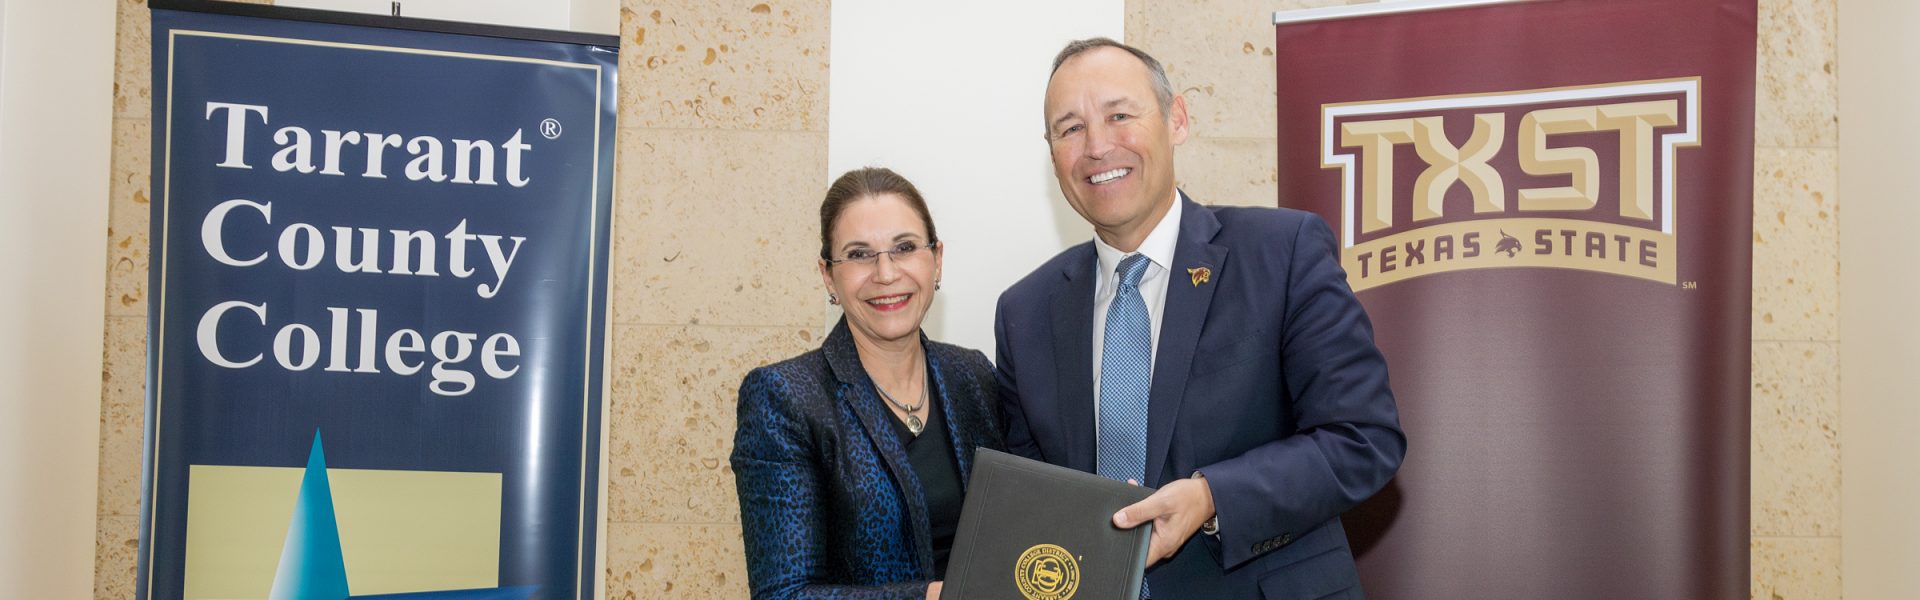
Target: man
1216	354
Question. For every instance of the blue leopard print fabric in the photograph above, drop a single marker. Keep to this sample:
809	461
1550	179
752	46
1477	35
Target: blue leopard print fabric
829	506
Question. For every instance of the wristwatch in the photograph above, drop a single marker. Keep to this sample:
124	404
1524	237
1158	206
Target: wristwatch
1212	526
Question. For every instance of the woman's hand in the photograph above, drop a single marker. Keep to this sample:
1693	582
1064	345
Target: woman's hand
933	591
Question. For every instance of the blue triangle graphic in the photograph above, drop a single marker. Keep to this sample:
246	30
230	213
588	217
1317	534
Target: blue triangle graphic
311	567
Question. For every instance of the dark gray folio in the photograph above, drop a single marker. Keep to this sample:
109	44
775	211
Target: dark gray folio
1034	531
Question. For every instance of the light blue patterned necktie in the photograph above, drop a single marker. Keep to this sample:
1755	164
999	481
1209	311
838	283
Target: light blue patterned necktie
1126	363
1126	366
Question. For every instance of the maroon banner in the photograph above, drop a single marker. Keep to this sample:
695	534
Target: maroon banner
1546	209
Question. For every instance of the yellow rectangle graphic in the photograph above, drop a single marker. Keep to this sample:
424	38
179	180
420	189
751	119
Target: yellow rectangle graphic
400	531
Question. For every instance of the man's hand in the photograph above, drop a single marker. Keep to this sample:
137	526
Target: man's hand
1176	511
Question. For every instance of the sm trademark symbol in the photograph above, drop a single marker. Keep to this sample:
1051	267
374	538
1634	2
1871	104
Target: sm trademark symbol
1689	285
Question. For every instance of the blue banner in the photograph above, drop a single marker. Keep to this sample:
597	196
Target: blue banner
378	310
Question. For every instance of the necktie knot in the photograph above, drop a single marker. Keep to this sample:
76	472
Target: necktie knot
1132	268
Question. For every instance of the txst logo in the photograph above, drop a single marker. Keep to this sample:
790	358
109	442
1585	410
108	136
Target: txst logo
1577	178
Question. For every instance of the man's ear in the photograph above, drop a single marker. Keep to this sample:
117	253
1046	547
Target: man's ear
1177	119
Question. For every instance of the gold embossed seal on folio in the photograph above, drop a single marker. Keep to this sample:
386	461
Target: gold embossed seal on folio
1047	572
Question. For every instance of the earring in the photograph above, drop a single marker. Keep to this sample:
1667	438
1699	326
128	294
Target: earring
936	285
832	299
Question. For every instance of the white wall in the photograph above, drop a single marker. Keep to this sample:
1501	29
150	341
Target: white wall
949	95
56	93
594	16
1879	297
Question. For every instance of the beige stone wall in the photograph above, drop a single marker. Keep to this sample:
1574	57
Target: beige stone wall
1219	54
1796	302
722	156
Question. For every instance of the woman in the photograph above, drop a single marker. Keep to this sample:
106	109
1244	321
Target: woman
851	460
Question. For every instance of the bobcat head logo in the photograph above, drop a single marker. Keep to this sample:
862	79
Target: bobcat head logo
1507	244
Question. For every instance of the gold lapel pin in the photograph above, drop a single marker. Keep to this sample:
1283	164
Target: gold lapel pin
1200	275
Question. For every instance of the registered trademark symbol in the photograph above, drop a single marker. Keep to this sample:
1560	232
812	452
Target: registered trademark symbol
550	128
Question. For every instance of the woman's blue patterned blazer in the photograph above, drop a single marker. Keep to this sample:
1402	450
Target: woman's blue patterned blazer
829	506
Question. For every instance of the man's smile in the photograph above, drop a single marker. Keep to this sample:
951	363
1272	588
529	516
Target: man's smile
1106	176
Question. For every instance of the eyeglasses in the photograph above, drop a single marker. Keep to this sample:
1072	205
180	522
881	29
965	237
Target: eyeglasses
868	256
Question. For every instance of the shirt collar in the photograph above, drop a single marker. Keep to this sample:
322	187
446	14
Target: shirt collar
1158	246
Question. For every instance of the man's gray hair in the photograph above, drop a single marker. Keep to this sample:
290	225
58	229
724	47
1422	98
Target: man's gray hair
1162	90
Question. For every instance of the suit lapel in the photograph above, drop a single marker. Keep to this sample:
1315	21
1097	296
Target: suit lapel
1181	319
856	392
1073	354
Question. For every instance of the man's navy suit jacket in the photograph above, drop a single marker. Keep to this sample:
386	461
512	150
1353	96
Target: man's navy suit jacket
1266	380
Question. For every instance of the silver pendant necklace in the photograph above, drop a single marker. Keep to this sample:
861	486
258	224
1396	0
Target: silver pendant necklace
914	424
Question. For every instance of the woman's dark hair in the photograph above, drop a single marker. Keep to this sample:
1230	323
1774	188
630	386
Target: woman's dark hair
861	183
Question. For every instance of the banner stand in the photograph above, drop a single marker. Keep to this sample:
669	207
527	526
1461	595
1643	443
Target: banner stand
377	330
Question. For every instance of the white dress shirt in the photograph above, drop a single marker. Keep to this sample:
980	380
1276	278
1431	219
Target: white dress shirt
1158	247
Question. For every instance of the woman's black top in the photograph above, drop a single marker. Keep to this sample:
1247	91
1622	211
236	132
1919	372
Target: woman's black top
931	455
